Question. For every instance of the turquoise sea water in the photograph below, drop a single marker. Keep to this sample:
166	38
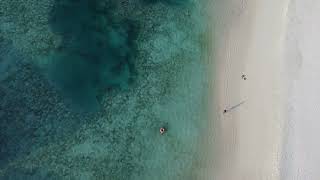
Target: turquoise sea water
85	86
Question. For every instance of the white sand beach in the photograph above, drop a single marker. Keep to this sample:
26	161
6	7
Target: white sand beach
248	39
301	154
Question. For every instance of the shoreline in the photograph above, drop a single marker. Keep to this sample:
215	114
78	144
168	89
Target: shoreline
248	39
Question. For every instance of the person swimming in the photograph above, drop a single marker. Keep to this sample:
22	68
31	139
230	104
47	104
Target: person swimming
162	130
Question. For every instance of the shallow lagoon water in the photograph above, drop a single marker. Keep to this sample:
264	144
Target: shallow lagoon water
86	85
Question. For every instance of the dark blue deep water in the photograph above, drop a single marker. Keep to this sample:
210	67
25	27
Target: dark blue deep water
85	86
96	52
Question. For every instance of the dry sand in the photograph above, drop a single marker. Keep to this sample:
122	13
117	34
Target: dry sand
301	154
248	38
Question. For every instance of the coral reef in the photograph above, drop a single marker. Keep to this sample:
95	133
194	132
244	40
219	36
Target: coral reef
130	66
95	53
